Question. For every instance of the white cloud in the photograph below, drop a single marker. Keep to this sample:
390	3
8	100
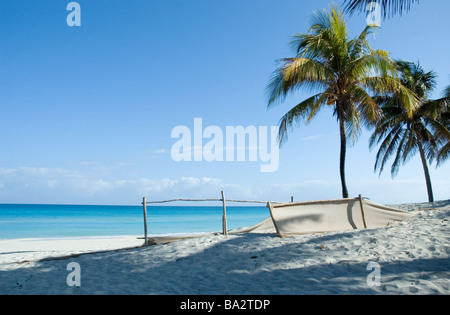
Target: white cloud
315	137
55	185
47	185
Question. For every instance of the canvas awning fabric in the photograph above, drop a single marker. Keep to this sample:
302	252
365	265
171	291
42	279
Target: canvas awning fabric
326	216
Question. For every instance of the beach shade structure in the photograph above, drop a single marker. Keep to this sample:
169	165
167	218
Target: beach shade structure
326	216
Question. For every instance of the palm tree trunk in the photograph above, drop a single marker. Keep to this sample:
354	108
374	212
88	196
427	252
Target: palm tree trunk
342	158
427	173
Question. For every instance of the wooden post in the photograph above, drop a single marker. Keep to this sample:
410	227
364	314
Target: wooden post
292	199
224	218
144	205
362	211
269	205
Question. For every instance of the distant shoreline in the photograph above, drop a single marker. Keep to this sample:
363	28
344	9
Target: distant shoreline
64	221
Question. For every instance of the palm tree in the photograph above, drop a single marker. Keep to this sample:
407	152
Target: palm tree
343	70
388	6
404	135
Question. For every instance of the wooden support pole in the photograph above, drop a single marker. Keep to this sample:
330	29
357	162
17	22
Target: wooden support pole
224	217
270	206
362	211
144	205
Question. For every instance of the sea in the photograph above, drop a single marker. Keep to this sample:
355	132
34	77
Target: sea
59	221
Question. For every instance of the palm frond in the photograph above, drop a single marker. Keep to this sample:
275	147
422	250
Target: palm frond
441	134
410	146
444	153
365	104
360	46
389	7
303	111
387	148
382	85
447	92
397	161
415	78
296	73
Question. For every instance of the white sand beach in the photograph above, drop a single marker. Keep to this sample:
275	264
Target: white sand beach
413	258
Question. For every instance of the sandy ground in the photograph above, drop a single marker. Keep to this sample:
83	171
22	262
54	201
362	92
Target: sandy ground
410	257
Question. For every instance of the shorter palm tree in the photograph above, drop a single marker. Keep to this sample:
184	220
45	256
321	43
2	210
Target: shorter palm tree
404	135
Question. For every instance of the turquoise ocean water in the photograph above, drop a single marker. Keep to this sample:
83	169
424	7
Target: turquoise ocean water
53	221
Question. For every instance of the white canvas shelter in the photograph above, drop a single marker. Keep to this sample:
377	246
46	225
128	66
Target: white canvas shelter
326	216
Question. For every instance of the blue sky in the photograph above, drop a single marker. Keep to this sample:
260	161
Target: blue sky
86	113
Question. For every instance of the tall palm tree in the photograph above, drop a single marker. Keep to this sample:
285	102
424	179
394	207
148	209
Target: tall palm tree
388	6
404	135
343	70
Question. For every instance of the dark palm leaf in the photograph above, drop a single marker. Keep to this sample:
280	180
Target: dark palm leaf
389	7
